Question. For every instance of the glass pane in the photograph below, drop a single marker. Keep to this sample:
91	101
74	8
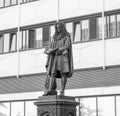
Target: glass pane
112	26
17	109
118	25
85	30
23	40
7	2
31	38
20	40
13	2
21	1
88	106
6	42
78	107
13	42
27	40
1	43
106	106
99	28
52	31
108	26
118	106
77	34
28	106
38	41
69	27
24	0
4	109
45	35
1	3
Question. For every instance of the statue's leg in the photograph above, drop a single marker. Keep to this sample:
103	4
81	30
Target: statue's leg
63	83
52	86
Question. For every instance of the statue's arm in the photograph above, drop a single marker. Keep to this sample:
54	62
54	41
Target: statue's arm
66	45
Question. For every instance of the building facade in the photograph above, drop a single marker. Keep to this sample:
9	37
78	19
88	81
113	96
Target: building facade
27	27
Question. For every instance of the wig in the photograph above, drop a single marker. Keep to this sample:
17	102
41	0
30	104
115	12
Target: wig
63	32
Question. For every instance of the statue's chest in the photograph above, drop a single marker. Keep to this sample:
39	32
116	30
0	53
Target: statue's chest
60	43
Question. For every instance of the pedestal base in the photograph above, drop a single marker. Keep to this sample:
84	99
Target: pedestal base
56	106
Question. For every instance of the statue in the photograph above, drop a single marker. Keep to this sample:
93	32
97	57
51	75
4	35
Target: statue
60	60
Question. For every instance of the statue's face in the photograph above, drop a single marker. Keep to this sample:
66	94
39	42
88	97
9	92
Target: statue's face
58	27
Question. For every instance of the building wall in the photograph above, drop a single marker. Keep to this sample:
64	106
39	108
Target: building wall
85	55
43	10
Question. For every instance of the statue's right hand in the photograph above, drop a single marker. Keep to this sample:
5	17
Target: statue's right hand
48	51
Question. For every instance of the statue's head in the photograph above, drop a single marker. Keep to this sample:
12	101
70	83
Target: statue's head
59	27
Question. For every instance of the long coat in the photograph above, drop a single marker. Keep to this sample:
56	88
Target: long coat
66	51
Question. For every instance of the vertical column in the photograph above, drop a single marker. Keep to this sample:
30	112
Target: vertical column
18	39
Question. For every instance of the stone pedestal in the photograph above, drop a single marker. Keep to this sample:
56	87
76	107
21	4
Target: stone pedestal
56	106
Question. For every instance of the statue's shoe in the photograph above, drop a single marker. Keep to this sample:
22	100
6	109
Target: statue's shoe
62	93
53	92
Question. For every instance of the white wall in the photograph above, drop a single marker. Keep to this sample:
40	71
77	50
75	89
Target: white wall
85	55
46	10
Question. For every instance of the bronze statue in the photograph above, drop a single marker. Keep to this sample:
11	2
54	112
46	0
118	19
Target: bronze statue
60	60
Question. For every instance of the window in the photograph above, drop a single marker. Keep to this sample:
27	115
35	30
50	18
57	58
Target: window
46	35
4	109
24	40
28	106
13	43
69	27
20	40
106	106
77	32
1	43
118	106
88	106
7	2
85	30
93	28
52	31
78	107
1	3
17	109
112	26
27	40
6	42
31	38
99	28
118	25
21	1
38	42
14	2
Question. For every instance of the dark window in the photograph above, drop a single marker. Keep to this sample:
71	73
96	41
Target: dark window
31	38
1	43
46	36
93	28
